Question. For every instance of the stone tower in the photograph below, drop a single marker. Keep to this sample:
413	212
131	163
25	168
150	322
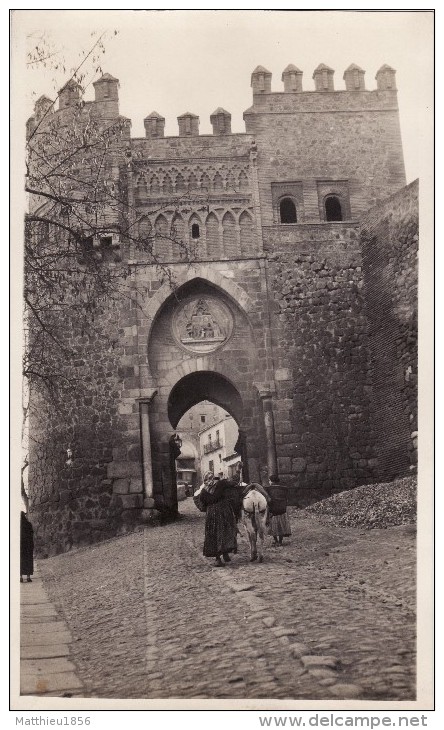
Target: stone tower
271	321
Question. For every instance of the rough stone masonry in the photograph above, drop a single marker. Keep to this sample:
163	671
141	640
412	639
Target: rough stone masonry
297	312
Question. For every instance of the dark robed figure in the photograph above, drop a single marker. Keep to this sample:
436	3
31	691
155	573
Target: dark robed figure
220	522
26	548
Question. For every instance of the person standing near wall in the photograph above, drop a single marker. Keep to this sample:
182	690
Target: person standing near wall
26	548
277	507
175	446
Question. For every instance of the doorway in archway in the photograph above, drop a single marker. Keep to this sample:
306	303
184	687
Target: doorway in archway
220	442
209	438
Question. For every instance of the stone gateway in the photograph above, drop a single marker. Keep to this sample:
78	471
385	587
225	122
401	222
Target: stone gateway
296	312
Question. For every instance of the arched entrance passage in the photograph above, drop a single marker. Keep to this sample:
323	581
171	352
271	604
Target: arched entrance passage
170	405
204	344
210	386
201	386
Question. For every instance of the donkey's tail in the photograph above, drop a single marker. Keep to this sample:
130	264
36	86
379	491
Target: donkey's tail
253	519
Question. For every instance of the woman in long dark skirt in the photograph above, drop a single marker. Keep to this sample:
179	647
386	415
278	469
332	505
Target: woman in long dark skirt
26	548
220	522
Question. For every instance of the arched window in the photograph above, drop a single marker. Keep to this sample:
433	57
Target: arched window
197	237
161	226
287	211
333	210
231	185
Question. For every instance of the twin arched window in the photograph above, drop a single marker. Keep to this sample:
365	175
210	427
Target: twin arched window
332	208
287	211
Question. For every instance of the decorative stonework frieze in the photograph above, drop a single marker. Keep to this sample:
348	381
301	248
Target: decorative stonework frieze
164	180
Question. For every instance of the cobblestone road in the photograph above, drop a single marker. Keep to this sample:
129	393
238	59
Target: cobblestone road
331	615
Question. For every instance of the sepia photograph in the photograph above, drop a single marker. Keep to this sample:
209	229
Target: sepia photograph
217	272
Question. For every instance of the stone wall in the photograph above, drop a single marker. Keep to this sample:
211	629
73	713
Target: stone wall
97	415
389	249
350	137
320	347
204	147
73	504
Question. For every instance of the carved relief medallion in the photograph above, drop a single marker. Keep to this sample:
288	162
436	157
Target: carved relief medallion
201	324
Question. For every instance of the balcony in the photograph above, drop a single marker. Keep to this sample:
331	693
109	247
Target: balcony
212	446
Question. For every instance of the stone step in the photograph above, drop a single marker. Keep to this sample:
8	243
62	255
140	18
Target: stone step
43	627
45	639
43	652
44	609
46	666
34	685
36	619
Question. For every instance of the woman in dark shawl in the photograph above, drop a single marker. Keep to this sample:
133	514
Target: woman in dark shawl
220	522
26	548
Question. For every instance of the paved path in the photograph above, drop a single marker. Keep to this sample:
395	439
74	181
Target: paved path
45	667
330	615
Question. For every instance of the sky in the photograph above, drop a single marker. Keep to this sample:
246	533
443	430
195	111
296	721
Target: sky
178	61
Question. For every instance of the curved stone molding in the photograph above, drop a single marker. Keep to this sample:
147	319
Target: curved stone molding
198	364
234	291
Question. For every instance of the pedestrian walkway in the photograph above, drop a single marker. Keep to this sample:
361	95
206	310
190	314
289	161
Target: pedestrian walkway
45	666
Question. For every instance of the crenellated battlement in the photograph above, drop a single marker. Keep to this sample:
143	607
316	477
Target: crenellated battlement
293	98
323	77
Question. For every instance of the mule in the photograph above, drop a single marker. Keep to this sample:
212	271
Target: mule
254	519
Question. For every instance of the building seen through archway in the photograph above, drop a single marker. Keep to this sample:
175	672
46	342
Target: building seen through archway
209	436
